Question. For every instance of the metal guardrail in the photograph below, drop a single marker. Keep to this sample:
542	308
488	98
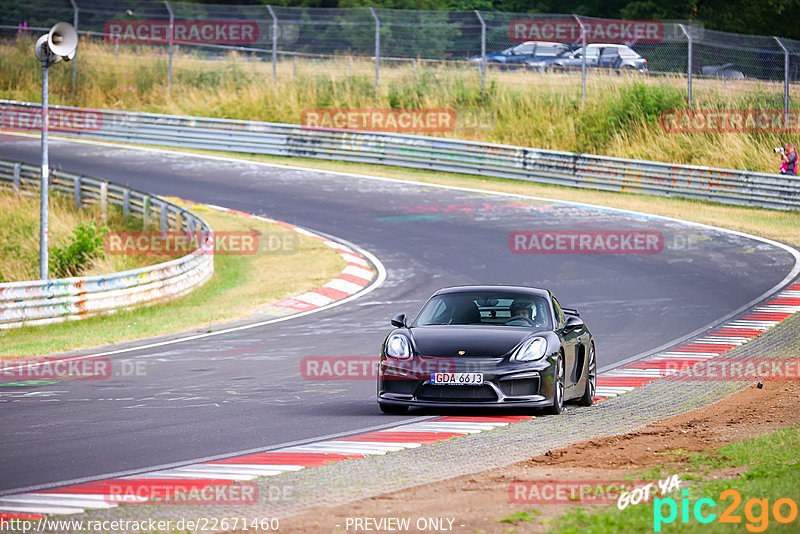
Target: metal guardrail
51	301
586	171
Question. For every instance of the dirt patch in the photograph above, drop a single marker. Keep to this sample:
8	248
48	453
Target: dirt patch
476	503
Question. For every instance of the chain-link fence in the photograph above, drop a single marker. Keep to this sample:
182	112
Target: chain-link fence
386	38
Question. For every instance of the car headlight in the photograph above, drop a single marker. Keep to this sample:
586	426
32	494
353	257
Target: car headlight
533	349
397	346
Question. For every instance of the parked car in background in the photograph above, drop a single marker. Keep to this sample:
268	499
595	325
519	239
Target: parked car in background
728	71
598	55
519	55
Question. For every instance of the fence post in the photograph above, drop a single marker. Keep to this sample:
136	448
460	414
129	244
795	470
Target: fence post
74	59
76	191
689	61
163	213
145	212
483	51
171	38
126	204
785	82
104	201
274	45
377	47
16	178
583	63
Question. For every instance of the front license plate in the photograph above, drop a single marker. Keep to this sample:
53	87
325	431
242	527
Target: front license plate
457	379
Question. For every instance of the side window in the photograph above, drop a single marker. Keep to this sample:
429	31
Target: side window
525	49
560	320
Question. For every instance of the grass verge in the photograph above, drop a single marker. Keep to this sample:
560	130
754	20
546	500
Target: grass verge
241	285
747	483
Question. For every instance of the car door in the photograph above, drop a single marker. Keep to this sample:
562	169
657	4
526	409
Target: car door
609	58
571	342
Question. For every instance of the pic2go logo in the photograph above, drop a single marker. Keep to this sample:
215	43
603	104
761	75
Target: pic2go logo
757	511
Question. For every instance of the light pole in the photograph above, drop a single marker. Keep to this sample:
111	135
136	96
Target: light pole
60	43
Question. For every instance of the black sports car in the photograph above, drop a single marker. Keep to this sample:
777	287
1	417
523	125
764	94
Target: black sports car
479	346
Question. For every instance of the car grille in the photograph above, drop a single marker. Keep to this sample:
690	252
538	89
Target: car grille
405	387
523	386
457	393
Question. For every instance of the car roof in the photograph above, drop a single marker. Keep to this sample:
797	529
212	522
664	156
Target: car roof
533	291
606	45
543	43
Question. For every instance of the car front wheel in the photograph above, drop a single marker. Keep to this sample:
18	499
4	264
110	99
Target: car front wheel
558	388
591	380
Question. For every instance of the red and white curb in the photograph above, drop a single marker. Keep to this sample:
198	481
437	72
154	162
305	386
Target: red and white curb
357	274
719	340
137	489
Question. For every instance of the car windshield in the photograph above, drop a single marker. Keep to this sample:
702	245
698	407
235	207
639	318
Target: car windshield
486	308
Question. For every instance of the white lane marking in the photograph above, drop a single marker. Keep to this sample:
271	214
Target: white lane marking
279	467
60	499
34	509
634	373
614	389
722	340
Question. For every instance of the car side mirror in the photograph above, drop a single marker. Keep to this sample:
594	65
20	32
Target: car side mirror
573	323
399	321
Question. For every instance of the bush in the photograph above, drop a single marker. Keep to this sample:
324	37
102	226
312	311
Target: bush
634	104
85	245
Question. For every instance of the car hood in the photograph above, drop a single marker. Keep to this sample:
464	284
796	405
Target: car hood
476	341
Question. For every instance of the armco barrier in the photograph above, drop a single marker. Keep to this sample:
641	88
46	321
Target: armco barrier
50	301
517	163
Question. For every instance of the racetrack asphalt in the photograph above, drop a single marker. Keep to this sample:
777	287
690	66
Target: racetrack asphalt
244	390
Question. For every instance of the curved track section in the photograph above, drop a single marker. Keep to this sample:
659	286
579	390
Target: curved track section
243	390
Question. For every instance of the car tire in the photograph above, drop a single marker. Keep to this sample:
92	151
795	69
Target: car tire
591	380
392	409
558	388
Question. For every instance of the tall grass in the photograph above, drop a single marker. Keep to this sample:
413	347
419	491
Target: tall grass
19	239
619	118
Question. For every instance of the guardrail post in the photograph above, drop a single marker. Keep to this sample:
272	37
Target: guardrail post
483	51
145	212
74	59
76	191
583	63
688	62
785	82
126	204
171	38
163	212
104	201
377	47
274	45
16	178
